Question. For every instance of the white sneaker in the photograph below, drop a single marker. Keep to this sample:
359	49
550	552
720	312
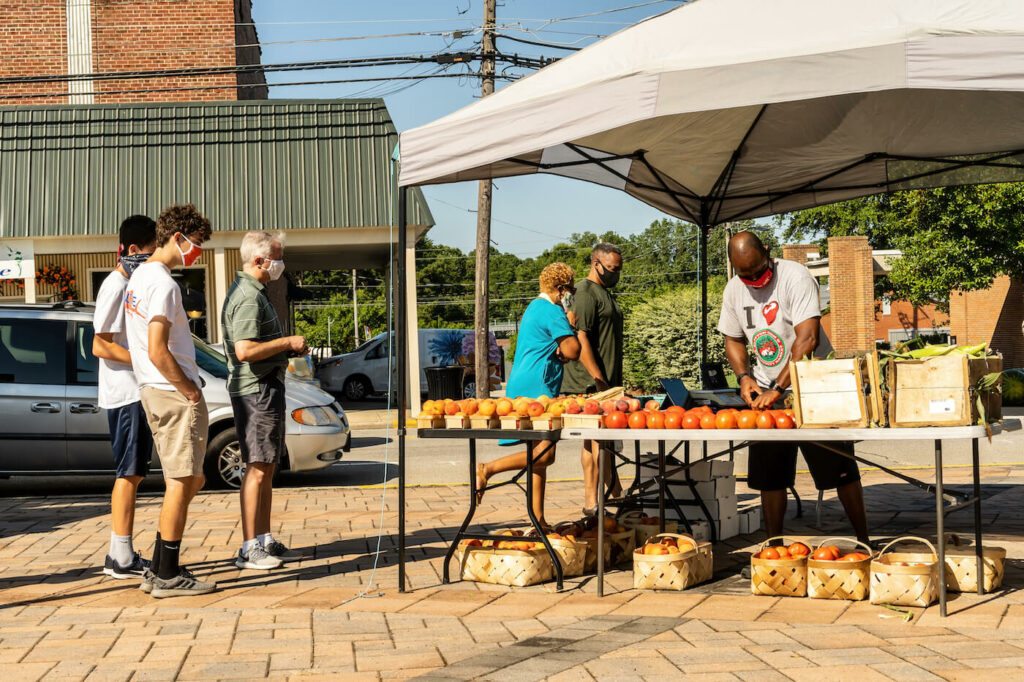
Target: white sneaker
257	558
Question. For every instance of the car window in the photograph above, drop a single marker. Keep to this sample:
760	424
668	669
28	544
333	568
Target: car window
210	360
86	364
33	351
375	353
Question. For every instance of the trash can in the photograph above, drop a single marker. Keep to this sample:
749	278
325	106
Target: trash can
444	382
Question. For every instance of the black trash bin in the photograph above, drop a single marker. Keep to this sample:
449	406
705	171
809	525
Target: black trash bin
444	382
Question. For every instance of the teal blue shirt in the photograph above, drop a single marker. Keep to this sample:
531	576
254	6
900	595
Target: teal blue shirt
535	370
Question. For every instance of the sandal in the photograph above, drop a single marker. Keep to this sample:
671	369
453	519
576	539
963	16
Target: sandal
590	511
481	475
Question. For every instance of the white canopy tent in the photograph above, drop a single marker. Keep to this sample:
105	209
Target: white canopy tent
727	109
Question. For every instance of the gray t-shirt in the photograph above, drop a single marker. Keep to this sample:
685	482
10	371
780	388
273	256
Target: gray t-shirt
766	317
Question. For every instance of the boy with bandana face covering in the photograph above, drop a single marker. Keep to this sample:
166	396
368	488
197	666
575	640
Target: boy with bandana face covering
773	305
118	394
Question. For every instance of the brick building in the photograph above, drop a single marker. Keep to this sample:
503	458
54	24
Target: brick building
82	38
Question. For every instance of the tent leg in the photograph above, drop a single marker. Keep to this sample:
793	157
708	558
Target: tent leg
702	258
401	333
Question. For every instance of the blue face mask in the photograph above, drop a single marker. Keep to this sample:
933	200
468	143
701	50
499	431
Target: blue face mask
132	261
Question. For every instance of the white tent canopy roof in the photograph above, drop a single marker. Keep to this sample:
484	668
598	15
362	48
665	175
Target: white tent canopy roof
728	109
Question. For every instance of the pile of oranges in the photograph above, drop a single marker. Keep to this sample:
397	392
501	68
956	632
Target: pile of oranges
702	417
797	550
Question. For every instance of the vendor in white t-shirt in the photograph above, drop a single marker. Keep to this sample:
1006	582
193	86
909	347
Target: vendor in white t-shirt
772	305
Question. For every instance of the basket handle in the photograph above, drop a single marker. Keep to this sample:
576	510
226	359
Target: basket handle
765	543
681	536
630	514
871	552
904	539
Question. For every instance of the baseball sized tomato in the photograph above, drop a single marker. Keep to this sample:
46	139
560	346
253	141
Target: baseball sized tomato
829	553
673	420
790	413
798	550
637	420
691	421
655	420
783	552
765	421
615	420
676	409
783	421
725	420
769	553
707	421
747	419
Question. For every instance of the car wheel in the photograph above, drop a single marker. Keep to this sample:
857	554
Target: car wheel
356	388
469	389
224	466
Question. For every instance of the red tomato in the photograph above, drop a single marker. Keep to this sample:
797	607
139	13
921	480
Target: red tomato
637	420
615	420
769	553
676	409
747	419
799	549
691	421
784	422
765	421
673	420
790	413
725	420
655	420
783	552
708	422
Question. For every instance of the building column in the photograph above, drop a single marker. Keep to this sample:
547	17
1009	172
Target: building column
78	17
800	253
30	289
412	324
852	295
220	292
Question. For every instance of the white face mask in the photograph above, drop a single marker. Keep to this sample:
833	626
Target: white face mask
275	270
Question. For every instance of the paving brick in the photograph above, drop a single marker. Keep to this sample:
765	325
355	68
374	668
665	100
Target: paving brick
838	673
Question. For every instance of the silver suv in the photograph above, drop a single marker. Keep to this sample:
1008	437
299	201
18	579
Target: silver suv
50	422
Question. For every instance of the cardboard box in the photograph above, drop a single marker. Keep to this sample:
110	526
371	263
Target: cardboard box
710	469
728	527
721	508
750	520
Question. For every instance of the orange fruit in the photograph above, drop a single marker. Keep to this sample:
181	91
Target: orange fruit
725	420
708	422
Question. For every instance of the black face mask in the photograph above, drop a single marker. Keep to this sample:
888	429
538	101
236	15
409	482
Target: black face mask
608	278
132	261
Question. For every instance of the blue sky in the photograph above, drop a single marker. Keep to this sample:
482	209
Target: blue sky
530	213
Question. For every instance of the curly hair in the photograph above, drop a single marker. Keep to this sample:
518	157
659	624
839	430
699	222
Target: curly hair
185	219
556	275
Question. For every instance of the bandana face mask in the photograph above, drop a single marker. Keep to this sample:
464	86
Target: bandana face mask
762	279
132	261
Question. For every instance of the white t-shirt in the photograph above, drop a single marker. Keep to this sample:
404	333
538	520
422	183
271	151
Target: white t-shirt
151	292
767	317
117	384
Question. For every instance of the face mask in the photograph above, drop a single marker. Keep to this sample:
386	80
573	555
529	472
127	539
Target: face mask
275	270
608	278
567	301
192	255
132	261
762	279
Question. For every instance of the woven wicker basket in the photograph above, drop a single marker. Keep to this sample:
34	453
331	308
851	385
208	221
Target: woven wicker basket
505	566
673	571
617	548
645	531
778	577
905	585
962	566
850	580
572	555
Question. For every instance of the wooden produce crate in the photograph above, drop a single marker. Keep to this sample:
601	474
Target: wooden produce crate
546	423
582	421
513	422
456	421
435	421
940	391
479	422
831	393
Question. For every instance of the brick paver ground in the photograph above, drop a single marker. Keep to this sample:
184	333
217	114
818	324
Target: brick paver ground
61	619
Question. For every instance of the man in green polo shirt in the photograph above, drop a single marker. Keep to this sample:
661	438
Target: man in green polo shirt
257	358
599	330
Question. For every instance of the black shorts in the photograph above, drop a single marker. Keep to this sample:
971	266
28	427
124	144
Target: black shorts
131	439
772	465
259	421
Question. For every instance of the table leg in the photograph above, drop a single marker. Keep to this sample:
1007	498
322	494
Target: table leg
555	563
600	521
469	516
940	522
977	516
661	486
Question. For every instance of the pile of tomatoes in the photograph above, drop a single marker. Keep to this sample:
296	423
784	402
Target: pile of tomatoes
702	417
797	550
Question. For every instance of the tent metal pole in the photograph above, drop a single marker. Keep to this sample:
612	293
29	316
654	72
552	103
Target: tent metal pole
401	332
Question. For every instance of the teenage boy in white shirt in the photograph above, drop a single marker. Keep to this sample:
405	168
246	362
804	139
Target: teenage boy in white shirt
118	390
164	359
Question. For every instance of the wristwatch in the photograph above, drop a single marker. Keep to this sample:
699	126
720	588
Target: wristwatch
740	377
774	386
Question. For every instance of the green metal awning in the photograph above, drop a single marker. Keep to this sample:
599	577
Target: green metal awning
269	164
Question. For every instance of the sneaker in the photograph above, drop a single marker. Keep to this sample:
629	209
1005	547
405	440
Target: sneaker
132	570
278	550
182	585
257	558
147	580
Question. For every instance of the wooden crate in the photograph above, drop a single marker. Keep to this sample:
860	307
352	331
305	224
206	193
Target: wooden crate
480	422
435	421
456	421
582	421
831	393
513	422
546	423
939	391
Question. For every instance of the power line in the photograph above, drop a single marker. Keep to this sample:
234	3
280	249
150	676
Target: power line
539	43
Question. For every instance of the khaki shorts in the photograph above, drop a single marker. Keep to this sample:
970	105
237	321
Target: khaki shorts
179	431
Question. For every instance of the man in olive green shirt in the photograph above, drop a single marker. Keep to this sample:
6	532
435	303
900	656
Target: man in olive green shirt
257	357
599	330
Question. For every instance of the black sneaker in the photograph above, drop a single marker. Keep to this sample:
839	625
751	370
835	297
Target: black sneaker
279	551
182	585
132	570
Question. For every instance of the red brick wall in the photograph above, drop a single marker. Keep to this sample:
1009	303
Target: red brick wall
33	40
993	316
130	35
799	252
852	295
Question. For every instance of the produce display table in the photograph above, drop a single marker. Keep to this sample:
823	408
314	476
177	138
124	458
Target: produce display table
956	500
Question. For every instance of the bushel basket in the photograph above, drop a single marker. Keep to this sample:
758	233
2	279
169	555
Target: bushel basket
778	577
962	566
515	567
572	555
850	580
673	571
905	578
617	547
645	531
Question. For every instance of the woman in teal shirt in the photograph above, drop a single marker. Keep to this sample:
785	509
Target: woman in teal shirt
545	343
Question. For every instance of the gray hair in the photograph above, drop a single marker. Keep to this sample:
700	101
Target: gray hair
604	248
258	244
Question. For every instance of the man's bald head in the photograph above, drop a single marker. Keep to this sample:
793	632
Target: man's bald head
747	254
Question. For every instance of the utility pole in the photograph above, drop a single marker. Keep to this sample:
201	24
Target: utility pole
483	221
355	310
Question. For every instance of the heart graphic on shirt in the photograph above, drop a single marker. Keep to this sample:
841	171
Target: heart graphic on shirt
770	310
